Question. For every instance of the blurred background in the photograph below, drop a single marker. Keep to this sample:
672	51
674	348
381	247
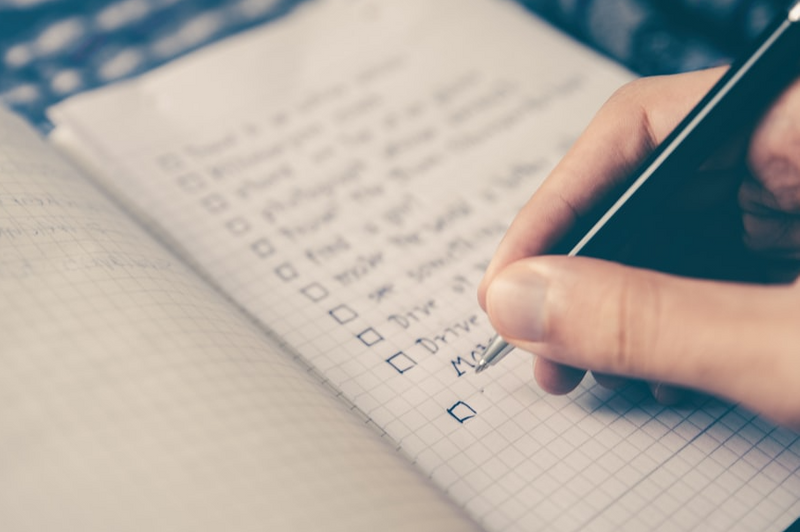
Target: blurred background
50	49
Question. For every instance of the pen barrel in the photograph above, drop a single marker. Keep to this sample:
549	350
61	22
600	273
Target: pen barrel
732	107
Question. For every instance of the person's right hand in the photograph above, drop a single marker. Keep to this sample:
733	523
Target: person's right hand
732	339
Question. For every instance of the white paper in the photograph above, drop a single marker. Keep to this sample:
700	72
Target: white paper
134	397
345	176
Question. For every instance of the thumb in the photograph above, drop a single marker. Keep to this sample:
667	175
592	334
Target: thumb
731	340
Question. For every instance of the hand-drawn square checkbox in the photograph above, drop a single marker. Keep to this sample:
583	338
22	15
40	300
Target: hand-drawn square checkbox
401	362
286	272
343	314
262	247
315	292
214	203
369	337
238	226
191	182
461	411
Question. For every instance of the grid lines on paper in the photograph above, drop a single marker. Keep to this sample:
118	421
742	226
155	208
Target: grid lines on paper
134	394
510	455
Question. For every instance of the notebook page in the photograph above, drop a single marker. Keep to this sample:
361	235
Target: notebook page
345	176
133	397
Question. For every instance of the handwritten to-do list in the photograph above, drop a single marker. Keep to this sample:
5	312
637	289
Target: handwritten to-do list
339	204
347	191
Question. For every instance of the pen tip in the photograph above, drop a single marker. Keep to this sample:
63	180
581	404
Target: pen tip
481	366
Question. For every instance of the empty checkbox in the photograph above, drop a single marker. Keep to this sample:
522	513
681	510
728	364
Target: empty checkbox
401	362
343	314
315	292
286	272
262	247
461	411
191	182
238	226
370	337
215	203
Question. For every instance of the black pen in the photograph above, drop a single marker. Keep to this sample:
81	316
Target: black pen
735	101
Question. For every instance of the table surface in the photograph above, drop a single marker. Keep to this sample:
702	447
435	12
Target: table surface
51	49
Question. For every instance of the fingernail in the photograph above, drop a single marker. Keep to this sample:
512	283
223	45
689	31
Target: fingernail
516	300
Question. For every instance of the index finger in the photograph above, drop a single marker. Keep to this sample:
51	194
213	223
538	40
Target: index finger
624	131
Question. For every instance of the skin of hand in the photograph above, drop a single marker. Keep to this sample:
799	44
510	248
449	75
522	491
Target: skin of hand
736	340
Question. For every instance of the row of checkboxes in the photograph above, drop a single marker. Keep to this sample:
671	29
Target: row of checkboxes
315	292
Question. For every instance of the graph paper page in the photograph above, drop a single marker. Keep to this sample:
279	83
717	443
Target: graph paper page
345	176
133	397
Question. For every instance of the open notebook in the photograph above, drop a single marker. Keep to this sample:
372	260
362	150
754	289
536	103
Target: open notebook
253	307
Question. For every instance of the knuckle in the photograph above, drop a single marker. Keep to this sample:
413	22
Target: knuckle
638	313
631	92
635	113
632	100
778	173
775	236
770	223
774	153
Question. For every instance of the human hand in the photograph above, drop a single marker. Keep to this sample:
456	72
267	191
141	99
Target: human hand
734	340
